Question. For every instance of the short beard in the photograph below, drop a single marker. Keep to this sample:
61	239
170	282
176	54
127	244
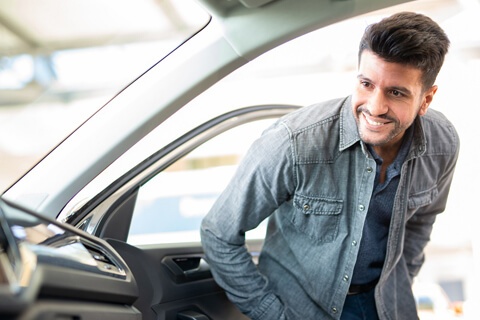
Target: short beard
394	133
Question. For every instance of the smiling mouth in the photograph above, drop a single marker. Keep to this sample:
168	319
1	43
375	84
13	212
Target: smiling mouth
372	122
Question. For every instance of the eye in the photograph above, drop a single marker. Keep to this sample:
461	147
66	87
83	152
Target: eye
365	84
396	93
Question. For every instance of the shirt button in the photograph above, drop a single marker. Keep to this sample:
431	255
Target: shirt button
306	207
334	310
345	278
354	243
369	169
361	207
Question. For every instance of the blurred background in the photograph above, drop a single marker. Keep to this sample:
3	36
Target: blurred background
60	61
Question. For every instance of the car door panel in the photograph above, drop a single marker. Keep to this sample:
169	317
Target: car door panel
173	281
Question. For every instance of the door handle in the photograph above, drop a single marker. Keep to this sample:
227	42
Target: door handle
191	315
187	268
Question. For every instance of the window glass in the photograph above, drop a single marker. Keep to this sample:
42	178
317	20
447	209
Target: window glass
60	61
171	206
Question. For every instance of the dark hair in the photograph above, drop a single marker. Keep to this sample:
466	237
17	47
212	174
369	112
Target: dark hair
408	38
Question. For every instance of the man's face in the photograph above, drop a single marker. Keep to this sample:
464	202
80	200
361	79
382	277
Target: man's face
386	100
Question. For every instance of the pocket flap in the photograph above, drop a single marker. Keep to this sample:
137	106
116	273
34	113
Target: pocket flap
421	199
314	205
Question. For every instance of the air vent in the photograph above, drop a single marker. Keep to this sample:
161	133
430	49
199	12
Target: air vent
105	262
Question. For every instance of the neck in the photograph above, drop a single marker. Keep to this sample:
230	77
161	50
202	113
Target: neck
388	153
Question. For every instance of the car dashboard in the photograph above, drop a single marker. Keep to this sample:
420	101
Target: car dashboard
53	271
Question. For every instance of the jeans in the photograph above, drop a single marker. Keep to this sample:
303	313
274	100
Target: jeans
360	307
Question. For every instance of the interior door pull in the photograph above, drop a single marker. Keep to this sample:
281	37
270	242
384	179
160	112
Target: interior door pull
191	315
187	268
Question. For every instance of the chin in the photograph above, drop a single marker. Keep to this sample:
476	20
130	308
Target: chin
373	141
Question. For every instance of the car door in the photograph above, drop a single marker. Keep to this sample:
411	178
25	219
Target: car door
151	215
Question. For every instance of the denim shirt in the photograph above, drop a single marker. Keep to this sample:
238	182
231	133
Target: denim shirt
311	174
373	246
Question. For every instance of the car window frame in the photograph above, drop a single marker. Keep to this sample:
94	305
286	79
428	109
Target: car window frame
92	215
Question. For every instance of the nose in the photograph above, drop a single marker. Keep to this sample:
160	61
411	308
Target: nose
377	104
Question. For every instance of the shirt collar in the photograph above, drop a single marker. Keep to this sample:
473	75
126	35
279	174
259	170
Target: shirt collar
348	126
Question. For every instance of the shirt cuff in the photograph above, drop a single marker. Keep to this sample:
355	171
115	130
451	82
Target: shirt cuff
271	308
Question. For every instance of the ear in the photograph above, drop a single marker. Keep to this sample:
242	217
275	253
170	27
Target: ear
427	99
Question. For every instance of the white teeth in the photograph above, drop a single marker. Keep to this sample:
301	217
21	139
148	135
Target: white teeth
373	123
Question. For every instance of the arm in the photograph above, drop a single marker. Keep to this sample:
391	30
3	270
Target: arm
420	225
417	236
262	183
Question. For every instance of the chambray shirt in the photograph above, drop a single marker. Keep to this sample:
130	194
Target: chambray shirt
313	177
373	247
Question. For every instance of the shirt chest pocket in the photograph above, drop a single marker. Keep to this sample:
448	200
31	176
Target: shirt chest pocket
318	218
422	198
418	200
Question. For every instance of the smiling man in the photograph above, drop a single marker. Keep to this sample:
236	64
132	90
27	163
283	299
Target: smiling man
351	188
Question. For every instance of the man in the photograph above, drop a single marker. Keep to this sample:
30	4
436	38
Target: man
352	187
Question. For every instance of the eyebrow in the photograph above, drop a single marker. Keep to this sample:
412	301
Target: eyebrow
398	88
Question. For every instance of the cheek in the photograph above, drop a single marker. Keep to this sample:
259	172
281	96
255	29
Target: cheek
359	102
404	115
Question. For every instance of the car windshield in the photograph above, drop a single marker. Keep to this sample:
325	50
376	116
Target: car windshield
60	61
